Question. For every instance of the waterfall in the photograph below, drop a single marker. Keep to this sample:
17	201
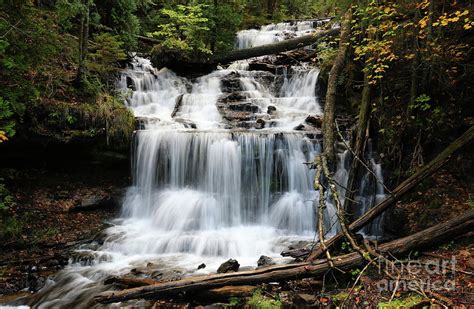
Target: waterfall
210	182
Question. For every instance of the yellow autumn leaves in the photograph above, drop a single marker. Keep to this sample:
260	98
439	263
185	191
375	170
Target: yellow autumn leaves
446	19
3	136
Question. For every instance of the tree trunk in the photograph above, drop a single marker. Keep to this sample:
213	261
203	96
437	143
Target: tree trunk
428	237
330	105
83	43
403	188
358	148
269	49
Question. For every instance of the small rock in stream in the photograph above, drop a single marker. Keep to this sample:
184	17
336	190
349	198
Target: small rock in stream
315	121
265	261
260	124
228	266
202	266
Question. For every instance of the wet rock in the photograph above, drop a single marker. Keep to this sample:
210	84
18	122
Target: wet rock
228	266
93	202
239	116
245	124
85	258
302	244
260	66
244	107
265	261
231	83
246	268
300	127
271	110
130	83
306	298
177	105
202	266
315	121
260	124
234	97
187	124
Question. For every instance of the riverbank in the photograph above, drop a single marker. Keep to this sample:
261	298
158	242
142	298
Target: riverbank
43	227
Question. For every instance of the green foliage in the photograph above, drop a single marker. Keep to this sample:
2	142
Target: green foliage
12	228
355	272
43	235
225	21
183	32
428	115
124	22
258	300
470	201
27	43
235	302
7	124
104	55
68	10
7	201
119	120
373	32
106	116
407	302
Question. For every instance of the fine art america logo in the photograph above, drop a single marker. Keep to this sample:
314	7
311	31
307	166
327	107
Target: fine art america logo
433	275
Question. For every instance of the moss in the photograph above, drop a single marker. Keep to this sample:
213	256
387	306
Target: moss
339	298
406	302
66	121
260	301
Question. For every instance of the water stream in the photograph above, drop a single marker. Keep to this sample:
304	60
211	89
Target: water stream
218	172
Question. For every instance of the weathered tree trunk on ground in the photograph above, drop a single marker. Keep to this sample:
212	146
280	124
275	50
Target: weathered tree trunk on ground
330	104
221	293
430	236
269	49
403	188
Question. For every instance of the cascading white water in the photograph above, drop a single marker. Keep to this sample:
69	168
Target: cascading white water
273	33
193	190
204	190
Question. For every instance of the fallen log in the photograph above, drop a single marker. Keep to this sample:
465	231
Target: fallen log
403	188
130	282
428	237
275	48
221	293
225	292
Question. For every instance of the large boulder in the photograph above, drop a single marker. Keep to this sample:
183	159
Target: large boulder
315	121
264	261
228	266
93	202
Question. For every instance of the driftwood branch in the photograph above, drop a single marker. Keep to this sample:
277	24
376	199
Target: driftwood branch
428	237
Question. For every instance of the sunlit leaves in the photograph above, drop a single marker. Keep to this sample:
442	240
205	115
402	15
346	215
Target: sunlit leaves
105	53
185	28
373	31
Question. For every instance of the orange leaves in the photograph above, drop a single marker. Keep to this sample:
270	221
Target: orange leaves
447	19
423	5
3	137
423	22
